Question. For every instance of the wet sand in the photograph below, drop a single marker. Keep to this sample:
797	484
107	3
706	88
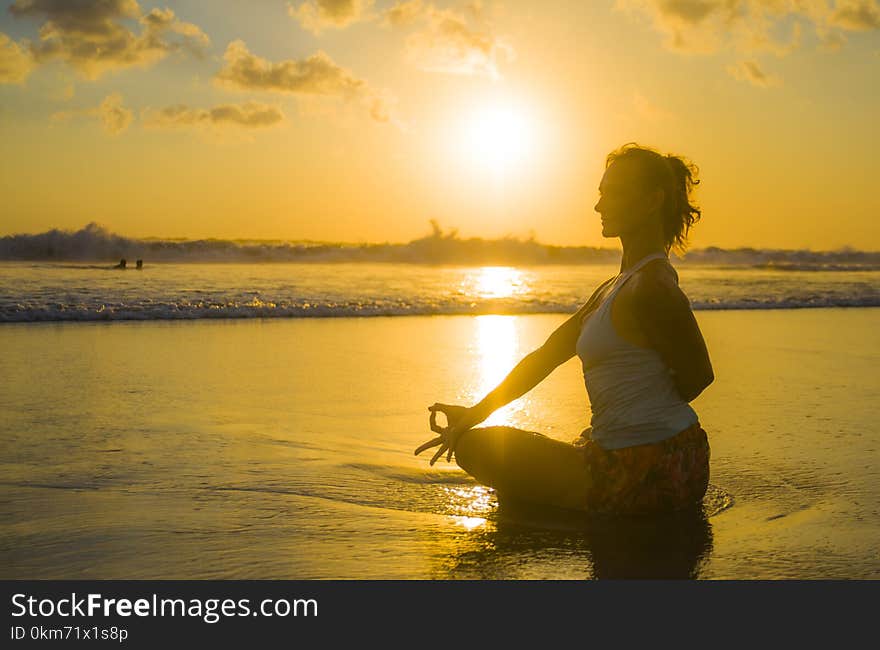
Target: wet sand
283	449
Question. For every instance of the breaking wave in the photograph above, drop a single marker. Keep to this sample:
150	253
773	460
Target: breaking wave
96	243
187	310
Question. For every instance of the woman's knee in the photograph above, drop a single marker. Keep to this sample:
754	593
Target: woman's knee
478	452
524	464
497	455
469	449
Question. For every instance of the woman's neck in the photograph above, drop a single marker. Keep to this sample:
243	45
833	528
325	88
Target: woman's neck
637	249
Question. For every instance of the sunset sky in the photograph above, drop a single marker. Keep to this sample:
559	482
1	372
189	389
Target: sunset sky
353	120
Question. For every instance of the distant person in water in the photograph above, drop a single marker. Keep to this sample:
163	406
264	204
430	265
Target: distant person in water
121	264
139	265
643	359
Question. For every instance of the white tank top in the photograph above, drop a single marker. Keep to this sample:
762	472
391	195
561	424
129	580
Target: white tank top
632	393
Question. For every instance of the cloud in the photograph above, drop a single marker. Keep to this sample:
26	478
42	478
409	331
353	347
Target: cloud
688	11
404	13
316	75
751	27
751	72
114	117
856	15
452	44
748	26
318	15
685	23
15	62
249	115
89	35
705	26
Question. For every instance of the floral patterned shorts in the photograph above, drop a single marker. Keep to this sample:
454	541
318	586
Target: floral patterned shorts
669	475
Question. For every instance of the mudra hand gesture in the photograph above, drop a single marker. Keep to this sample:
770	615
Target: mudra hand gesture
458	418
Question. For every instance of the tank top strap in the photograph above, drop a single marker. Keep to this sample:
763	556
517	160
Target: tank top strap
626	275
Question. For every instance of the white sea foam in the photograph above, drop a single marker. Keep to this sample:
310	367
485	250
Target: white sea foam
185	310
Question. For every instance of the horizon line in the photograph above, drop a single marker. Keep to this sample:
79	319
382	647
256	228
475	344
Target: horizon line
452	234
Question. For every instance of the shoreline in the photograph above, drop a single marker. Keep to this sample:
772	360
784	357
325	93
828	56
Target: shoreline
107	321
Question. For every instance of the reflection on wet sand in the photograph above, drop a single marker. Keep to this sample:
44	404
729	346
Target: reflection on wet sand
512	540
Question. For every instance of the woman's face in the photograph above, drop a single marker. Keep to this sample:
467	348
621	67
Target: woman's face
624	204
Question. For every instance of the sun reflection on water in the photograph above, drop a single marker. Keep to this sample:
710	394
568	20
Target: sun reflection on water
497	282
469	523
497	350
494	283
494	350
472	505
472	501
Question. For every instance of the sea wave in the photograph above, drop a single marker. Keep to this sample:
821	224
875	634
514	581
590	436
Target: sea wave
186	310
96	243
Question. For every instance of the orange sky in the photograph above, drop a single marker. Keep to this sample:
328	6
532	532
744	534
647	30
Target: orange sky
347	120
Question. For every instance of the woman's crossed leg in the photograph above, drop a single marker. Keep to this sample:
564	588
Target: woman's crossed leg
525	465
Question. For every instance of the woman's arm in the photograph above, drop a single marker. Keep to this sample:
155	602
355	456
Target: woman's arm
664	315
528	373
538	364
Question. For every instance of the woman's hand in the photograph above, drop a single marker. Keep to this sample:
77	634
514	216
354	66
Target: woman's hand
458	419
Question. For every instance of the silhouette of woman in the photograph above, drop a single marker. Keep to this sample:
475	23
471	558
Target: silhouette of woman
643	358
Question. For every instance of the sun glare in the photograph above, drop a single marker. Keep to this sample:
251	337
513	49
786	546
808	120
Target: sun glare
497	346
498	138
498	282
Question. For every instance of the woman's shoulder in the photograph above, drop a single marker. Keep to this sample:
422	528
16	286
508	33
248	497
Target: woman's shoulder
656	273
656	286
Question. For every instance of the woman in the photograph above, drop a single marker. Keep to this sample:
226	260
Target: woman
643	359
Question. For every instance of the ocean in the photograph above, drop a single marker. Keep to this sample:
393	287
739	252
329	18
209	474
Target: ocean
68	291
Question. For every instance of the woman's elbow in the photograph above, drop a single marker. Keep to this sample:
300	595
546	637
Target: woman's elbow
690	390
707	378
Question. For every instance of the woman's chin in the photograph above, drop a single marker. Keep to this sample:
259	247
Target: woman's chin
608	231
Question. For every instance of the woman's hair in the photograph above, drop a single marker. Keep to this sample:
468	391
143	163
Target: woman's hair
676	177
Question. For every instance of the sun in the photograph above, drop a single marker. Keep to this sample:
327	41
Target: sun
498	138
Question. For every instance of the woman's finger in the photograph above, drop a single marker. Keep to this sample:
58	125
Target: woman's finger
439	453
439	406
431	443
436	428
450	438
